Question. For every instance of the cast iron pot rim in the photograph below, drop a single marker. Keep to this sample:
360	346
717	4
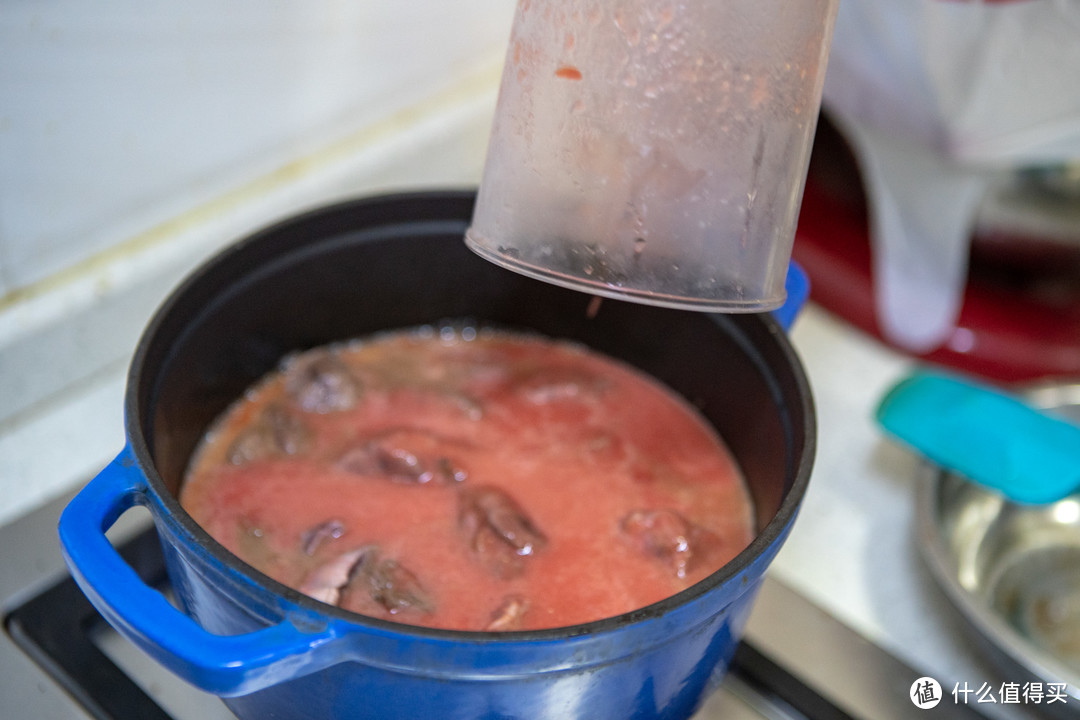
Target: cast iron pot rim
773	530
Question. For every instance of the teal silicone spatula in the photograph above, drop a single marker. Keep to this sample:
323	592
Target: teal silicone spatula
986	435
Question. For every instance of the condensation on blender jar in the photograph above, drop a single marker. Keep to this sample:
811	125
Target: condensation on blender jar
657	152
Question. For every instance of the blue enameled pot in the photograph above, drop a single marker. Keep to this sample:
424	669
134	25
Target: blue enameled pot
400	261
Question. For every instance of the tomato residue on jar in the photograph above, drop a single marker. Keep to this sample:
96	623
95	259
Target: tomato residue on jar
469	479
568	72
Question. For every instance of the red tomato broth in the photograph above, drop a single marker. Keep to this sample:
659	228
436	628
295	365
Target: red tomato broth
578	440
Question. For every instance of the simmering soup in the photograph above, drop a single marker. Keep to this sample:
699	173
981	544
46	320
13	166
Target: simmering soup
469	479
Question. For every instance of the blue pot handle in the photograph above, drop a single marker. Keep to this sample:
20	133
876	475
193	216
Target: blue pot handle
223	665
797	285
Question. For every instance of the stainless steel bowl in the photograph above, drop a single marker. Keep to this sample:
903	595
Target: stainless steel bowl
1013	571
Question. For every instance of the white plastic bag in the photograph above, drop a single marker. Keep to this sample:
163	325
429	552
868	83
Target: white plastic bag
935	96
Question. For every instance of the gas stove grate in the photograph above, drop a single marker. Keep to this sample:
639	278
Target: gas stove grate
56	628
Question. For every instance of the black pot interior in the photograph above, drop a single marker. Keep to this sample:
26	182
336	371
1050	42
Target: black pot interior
383	263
